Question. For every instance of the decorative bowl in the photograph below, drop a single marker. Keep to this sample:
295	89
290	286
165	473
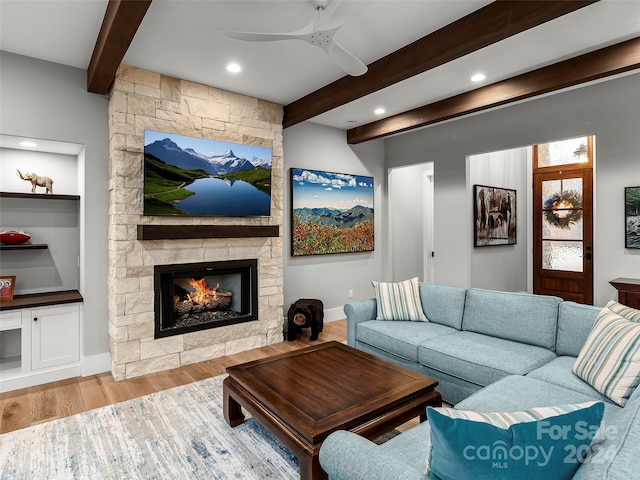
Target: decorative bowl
14	237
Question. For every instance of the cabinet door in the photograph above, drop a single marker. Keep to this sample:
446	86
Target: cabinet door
55	336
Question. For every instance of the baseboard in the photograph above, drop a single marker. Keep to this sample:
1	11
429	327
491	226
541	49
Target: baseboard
38	378
95	364
333	314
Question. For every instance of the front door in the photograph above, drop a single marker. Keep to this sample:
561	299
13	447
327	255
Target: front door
562	222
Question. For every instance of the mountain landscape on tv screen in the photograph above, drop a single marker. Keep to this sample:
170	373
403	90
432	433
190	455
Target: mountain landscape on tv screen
182	181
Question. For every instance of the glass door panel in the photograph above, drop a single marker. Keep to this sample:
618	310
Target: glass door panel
562	224
565	256
564	152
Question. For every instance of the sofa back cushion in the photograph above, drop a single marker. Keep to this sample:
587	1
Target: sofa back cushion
521	317
443	304
574	324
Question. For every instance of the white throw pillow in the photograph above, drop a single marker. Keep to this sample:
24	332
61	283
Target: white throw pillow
399	301
624	311
610	358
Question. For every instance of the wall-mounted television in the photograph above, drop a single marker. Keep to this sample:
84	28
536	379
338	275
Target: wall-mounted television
194	176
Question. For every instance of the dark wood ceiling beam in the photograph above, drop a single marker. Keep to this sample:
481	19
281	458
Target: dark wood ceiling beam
602	63
120	24
490	24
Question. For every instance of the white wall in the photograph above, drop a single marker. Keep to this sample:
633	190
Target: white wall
330	277
62	169
500	267
50	101
608	109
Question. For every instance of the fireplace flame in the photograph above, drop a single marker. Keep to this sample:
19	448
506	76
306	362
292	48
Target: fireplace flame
202	291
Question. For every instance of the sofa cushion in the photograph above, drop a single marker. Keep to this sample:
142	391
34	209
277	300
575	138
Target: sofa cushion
574	323
610	358
616	457
481	359
559	372
521	317
399	338
511	445
517	392
399	301
443	304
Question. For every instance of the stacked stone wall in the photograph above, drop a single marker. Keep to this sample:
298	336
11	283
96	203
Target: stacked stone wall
143	100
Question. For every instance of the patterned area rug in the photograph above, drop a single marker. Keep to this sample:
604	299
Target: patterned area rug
175	434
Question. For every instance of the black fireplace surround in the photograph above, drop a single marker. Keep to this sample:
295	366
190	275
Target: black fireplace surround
196	296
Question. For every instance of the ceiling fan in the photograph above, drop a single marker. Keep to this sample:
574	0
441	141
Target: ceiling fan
331	17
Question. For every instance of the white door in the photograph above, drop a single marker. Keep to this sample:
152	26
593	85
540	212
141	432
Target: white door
55	336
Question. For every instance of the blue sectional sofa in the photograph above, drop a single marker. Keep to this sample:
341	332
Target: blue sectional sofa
490	351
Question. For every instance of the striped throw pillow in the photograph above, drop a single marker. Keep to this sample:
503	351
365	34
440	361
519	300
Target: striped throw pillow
610	358
534	443
399	301
624	311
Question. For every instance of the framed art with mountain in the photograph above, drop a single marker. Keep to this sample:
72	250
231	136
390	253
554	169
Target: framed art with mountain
330	213
200	177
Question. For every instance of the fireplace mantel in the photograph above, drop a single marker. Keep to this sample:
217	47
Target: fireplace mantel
178	232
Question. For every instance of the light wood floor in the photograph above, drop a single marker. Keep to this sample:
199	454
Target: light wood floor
43	403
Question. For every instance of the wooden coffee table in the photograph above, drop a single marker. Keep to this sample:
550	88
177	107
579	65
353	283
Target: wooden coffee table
303	396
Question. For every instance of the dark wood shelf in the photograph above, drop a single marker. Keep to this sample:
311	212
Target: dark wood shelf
41	300
39	196
628	291
25	246
178	232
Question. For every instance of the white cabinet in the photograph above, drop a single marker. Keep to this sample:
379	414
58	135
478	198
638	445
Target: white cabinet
55	336
39	345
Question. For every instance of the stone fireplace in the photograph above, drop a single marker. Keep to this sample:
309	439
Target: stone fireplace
143	248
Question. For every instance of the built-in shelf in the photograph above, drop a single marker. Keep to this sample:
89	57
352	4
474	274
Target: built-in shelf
41	299
10	363
25	246
177	232
39	196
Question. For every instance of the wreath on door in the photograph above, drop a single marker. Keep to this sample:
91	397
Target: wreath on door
563	209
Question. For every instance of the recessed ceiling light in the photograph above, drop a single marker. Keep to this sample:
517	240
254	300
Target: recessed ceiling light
379	111
478	77
28	144
234	68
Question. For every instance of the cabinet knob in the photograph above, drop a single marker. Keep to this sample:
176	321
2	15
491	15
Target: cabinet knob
35	319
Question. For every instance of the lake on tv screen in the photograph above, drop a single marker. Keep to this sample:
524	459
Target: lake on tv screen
214	196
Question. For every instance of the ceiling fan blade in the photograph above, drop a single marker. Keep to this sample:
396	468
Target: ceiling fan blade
258	37
346	60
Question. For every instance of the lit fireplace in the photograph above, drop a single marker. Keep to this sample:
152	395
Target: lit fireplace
197	296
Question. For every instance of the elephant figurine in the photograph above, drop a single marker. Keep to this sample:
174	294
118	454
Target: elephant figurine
37	181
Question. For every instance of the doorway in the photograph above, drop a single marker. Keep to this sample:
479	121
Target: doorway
563	219
411	222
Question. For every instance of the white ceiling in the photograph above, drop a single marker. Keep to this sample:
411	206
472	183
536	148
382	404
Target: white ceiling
180	38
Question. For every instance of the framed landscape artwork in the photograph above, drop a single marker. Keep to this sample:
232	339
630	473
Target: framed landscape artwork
197	177
632	217
330	213
494	215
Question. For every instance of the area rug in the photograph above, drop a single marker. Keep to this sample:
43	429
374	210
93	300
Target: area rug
174	434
